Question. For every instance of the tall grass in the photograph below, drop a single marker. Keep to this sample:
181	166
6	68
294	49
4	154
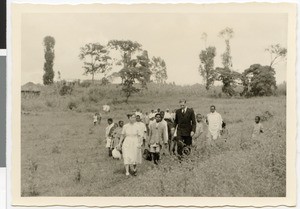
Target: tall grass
72	159
90	98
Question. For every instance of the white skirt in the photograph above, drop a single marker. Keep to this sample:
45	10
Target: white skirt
132	153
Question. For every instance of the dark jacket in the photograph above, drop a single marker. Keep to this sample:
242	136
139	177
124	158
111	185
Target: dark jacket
186	122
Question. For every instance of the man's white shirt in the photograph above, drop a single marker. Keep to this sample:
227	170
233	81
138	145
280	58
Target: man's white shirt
214	122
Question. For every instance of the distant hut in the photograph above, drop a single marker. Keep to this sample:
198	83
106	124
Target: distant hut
30	90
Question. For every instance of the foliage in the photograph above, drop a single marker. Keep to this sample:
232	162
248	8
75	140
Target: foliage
281	89
95	94
90	97
96	59
127	48
226	74
277	53
135	70
206	68
85	84
105	81
159	70
48	76
259	81
227	34
66	89
229	78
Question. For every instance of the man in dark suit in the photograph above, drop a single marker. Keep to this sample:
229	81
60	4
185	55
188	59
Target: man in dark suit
185	123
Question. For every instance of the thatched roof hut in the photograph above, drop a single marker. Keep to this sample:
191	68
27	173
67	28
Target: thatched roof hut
30	89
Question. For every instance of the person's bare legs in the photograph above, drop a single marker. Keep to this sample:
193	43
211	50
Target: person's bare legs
134	169
127	169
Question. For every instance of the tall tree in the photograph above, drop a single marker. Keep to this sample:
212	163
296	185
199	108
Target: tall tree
134	70
159	70
277	53
49	43
96	59
206	67
229	78
227	34
127	48
259	80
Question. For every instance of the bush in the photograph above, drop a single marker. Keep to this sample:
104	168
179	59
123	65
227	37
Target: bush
116	101
93	98
85	84
72	105
104	81
65	90
281	89
96	94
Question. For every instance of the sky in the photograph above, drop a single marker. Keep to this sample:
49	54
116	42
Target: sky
174	37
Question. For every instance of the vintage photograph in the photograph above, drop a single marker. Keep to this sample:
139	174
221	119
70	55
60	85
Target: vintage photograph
170	103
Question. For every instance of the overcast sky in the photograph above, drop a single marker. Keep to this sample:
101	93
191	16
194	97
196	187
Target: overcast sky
174	37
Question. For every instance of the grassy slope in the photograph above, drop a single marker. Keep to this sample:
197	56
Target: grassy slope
60	146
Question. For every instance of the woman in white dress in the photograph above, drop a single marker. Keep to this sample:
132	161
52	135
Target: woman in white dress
131	142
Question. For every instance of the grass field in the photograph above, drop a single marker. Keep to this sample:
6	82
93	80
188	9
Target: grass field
63	154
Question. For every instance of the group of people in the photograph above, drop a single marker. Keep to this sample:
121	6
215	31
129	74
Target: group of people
161	133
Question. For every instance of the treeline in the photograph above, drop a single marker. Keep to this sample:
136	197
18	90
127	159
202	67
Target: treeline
137	69
257	80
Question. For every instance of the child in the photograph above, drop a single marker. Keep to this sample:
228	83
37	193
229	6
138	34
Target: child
95	117
116	134
99	117
224	131
199	129
157	137
173	143
108	135
257	128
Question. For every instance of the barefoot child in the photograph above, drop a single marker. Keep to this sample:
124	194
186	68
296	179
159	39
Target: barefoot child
199	129
257	128
224	131
157	137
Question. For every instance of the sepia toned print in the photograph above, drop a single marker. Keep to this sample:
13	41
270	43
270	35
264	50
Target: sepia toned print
149	103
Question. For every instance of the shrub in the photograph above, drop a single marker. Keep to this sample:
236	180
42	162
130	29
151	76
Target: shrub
65	90
72	105
85	84
93	98
116	101
95	94
281	89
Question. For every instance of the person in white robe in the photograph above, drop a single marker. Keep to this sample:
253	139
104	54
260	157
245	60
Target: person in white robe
168	115
214	122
